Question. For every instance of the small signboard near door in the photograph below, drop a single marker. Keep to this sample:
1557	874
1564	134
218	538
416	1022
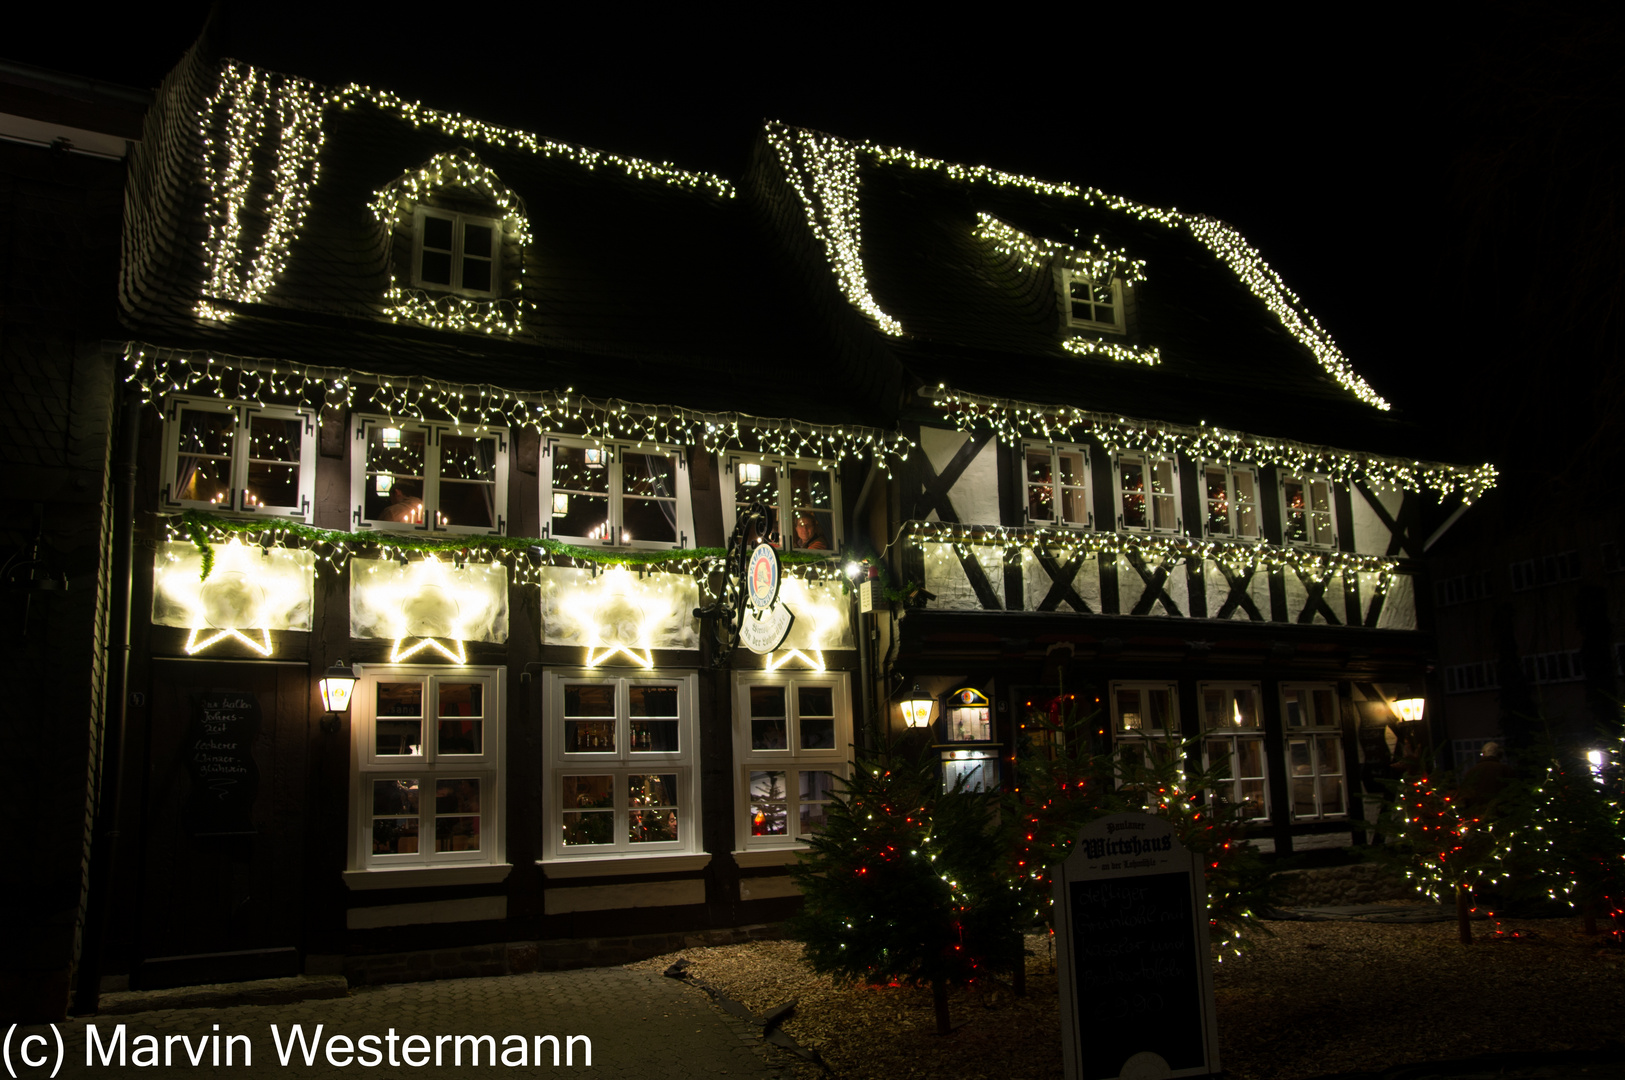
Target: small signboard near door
1131	942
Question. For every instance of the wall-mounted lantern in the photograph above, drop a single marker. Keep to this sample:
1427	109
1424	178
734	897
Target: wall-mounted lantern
336	687
1408	710
917	707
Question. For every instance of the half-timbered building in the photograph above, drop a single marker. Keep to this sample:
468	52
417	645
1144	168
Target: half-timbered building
488	423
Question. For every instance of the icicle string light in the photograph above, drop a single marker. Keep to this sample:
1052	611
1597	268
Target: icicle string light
1013	421
1112	350
159	372
252	222
1035	253
1235	555
823	171
825	174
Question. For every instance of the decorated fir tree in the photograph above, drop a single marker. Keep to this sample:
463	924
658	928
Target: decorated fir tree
1564	830
1446	847
906	883
1063	785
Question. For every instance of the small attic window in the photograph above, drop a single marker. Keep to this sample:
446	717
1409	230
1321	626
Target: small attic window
456	253
1092	303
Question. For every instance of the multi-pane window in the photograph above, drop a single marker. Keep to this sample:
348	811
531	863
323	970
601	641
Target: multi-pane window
1306	511
1146	716
622	754
619	494
429	476
1055	482
803	497
1092	303
792	736
1230	501
1463	588
1314	750
428	750
1545	570
1233	733
457	252
239	457
1147	492
1465	678
1554	667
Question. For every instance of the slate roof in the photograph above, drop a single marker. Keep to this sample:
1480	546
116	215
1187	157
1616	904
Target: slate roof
981	322
635	287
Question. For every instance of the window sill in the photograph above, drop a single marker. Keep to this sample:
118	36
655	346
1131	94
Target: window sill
409	877
770	856
612	865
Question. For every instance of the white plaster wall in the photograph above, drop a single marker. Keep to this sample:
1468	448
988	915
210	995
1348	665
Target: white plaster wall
1399	608
1218	590
946	578
1371	536
1131	587
1036	582
1297	593
975	497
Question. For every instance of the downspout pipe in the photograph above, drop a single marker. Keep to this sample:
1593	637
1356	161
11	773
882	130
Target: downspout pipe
115	704
866	631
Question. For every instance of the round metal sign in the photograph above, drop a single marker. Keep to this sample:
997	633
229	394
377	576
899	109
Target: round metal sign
762	577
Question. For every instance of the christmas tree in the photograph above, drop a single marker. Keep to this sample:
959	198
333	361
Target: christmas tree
906	884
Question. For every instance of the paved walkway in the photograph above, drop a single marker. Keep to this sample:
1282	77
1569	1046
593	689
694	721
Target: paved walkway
640	1026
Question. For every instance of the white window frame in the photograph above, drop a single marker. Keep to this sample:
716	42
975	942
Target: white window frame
1231	739
457	253
791	760
1147	462
243	413
1234	501
1310	515
1312	730
619	763
1150	740
613	451
1119	323
366	766
728	463
433	432
1087	487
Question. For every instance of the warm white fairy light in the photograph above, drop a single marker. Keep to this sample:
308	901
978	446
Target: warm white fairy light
160	372
823	171
1097	261
1013	421
825	176
249	109
236	121
1235	555
1112	350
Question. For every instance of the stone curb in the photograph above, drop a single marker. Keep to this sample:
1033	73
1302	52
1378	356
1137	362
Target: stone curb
226	995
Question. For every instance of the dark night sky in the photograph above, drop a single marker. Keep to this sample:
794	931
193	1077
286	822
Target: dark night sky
1328	144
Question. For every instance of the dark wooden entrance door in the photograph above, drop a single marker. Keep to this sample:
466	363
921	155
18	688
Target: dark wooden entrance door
221	896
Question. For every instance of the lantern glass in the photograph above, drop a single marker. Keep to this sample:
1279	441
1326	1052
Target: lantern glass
391	437
1408	709
336	687
917	708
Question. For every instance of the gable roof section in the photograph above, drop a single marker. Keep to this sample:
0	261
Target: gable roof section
636	272
906	238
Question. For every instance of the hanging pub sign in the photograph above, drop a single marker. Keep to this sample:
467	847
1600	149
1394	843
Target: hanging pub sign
219	755
764	622
1131	942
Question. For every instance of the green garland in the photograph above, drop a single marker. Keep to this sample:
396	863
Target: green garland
197	525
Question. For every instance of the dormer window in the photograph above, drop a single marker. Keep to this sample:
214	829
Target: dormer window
1093	302
457	252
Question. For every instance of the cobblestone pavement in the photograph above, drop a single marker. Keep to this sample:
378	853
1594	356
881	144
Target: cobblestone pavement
639	1026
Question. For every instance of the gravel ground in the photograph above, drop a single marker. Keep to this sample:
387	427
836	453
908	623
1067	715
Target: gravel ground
1311	999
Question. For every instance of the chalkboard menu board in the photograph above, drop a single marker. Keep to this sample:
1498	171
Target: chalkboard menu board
1134	950
219	755
1131	928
